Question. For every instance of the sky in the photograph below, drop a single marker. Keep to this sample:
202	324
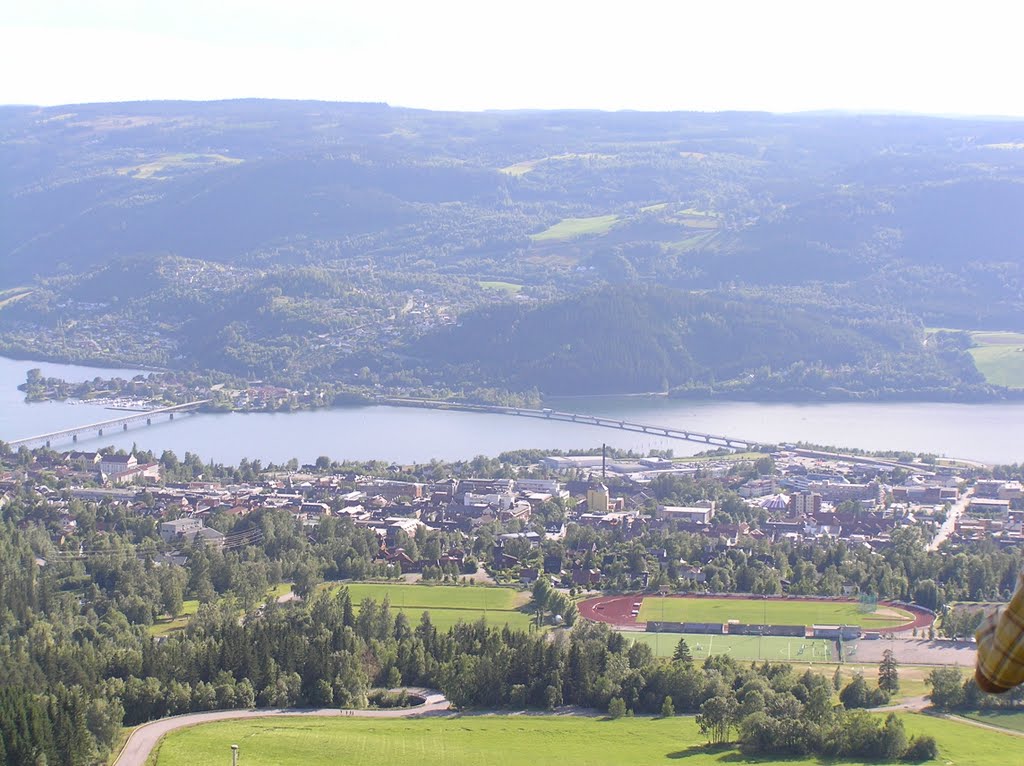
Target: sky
931	57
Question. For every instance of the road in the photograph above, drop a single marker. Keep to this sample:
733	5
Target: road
955	511
142	741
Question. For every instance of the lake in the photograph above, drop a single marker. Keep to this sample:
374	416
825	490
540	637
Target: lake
985	432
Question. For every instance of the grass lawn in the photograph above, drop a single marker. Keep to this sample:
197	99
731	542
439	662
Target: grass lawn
508	287
765	611
166	626
569	228
518	741
1007	719
746	648
448	604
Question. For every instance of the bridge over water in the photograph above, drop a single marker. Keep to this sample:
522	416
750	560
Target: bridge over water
666	432
123	421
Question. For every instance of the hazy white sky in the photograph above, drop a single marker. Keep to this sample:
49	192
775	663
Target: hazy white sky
778	55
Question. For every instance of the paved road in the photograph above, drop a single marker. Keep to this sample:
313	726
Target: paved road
955	511
911	704
142	741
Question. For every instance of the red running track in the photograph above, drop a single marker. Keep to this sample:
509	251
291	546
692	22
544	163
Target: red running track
619	610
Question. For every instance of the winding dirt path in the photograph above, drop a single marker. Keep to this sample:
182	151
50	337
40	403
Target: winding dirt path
141	742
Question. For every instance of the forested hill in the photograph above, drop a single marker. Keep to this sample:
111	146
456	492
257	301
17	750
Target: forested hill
655	339
286	240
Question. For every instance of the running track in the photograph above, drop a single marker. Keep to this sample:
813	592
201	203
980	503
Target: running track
618	610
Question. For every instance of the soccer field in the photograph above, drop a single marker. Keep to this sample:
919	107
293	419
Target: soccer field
447	604
775	648
769	612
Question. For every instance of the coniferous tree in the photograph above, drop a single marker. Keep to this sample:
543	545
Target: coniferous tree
682	653
888	675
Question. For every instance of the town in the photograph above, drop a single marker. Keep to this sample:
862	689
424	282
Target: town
511	521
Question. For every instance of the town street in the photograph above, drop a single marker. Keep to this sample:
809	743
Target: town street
955	511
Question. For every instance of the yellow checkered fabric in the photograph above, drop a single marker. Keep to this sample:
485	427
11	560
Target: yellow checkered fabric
1001	645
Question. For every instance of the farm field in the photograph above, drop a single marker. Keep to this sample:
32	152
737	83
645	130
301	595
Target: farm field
568	228
512	288
745	648
519	740
999	356
770	612
447	604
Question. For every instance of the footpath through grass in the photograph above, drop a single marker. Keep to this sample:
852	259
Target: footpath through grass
447	604
519	741
1005	719
767	612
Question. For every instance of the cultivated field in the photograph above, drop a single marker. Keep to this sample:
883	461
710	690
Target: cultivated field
744	648
999	356
519	741
447	604
769	612
506	287
569	228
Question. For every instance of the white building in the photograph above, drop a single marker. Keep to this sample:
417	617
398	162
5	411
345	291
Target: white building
172	530
702	513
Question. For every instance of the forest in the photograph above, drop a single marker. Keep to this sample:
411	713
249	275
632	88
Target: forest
364	246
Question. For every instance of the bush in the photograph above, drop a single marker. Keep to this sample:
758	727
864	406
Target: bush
922	748
617	707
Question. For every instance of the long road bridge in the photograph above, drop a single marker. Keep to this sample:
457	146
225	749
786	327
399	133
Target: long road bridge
123	421
665	432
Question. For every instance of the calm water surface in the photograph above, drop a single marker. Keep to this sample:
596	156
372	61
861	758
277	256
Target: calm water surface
991	433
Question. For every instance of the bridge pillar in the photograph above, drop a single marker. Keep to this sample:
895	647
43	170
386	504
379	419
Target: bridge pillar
172	416
149	421
124	426
47	444
101	432
74	437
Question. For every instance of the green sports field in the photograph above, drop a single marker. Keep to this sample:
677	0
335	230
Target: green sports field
769	612
744	648
447	604
519	741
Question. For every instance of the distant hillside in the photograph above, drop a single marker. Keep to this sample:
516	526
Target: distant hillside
654	339
170	233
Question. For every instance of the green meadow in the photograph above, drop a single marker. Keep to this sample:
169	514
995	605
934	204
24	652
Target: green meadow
506	287
1005	719
999	356
520	740
570	228
768	612
447	604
